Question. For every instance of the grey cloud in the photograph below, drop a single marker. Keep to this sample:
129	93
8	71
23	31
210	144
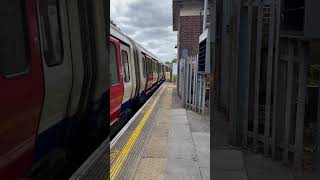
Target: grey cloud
148	22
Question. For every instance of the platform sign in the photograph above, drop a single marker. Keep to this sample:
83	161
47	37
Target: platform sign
185	53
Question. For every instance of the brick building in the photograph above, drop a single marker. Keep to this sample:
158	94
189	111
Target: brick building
187	21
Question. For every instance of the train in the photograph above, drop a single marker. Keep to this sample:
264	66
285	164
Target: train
135	73
62	90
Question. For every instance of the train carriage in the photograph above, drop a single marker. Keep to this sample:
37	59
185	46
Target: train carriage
55	74
142	74
54	85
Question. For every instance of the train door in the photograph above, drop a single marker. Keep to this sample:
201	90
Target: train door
143	73
159	72
125	60
154	70
163	73
116	88
57	65
21	82
149	74
134	70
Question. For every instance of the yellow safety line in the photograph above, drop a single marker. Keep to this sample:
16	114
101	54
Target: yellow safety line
116	167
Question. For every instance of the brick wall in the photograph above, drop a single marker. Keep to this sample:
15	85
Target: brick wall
190	28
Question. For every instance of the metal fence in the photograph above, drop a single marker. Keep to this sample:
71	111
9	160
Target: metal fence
192	85
264	76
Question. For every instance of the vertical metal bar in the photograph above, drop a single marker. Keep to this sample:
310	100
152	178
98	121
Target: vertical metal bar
288	107
179	79
194	84
203	95
190	84
317	151
269	78
245	122
275	80
257	77
301	108
184	81
186	84
200	92
233	73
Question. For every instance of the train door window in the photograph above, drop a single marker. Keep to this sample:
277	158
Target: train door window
51	32
144	66
154	66
14	60
148	66
114	73
124	56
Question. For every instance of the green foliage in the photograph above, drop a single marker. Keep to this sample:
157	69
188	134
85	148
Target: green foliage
174	60
168	63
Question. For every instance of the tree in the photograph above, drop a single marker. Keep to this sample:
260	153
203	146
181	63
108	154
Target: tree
168	63
174	60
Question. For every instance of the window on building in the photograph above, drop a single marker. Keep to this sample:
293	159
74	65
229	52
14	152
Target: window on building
125	62
14	58
51	35
114	73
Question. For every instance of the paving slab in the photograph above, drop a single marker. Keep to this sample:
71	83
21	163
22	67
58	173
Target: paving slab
202	145
181	150
179	120
151	168
182	168
179	131
198	123
201	139
205	173
156	148
203	156
161	130
178	111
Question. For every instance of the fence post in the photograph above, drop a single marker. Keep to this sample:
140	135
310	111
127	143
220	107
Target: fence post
317	144
300	107
269	78
275	83
203	94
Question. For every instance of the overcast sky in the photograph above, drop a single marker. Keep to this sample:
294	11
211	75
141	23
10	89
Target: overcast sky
149	22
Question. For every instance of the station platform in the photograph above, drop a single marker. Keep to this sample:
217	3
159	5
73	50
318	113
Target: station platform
161	141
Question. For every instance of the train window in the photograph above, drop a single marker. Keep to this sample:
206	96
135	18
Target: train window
14	58
114	73
124	56
51	32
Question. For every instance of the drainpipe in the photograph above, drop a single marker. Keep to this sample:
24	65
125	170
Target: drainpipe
205	15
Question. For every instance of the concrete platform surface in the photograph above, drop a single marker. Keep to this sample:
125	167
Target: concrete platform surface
178	150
